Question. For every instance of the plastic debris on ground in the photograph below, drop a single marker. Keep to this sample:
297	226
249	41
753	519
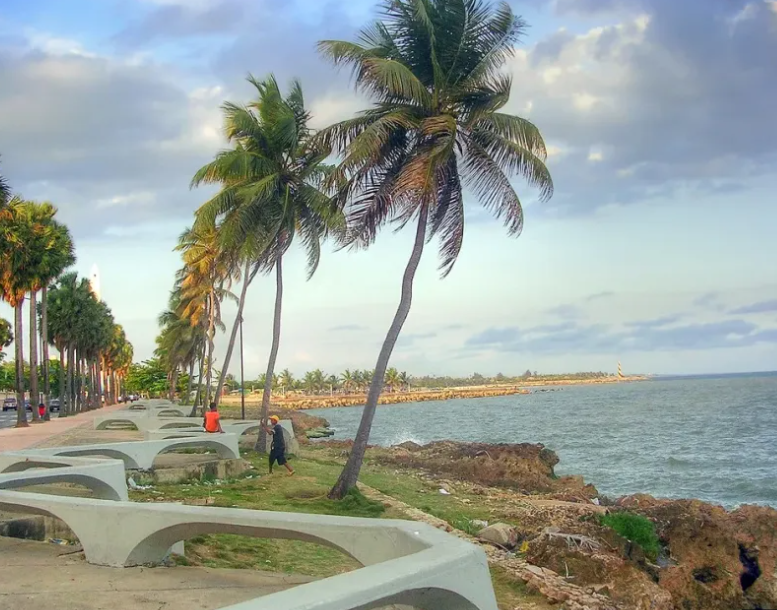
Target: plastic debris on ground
133	485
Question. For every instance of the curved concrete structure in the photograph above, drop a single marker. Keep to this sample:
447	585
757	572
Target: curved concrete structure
105	478
230	427
146	420
406	562
140	455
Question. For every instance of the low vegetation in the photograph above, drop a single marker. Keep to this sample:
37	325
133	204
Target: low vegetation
635	528
317	469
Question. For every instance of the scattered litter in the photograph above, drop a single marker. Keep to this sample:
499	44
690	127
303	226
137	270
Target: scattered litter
595	501
133	485
217	491
479	523
59	541
444	492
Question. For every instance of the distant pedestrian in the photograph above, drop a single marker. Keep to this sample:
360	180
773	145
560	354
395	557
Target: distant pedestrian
42	410
278	446
212	421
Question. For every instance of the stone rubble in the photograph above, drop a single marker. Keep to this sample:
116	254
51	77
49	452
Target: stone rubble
547	582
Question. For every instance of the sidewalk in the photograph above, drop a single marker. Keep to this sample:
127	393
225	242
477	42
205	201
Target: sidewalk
17	439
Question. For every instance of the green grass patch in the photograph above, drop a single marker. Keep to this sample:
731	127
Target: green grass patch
306	492
287	556
636	528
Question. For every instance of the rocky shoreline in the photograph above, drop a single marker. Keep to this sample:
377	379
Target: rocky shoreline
557	533
299	402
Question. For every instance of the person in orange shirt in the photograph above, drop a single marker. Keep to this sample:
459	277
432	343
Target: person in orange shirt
212	421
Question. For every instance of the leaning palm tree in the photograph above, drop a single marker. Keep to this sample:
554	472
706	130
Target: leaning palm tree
434	130
209	268
271	192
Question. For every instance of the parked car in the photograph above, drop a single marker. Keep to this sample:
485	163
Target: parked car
9	404
54	405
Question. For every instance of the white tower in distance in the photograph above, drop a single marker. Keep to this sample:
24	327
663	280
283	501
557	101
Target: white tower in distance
94	281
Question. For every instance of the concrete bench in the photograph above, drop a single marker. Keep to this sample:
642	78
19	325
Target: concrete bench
230	427
405	562
105	478
140	455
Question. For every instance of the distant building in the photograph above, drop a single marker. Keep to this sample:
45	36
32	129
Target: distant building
94	281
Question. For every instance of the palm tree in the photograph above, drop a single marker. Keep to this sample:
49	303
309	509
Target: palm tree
286	380
24	240
404	380
69	303
249	274
5	191
392	379
433	69
270	192
6	334
348	380
118	357
57	259
179	344
209	268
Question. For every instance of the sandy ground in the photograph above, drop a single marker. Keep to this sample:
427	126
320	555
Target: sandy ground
42	576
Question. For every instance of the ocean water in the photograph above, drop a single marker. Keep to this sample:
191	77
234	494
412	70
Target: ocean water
713	438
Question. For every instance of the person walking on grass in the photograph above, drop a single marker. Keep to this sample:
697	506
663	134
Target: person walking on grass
278	446
212	421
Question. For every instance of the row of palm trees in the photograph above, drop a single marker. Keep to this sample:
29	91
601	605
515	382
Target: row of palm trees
433	130
35	250
347	382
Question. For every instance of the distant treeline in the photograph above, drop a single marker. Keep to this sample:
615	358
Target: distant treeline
476	379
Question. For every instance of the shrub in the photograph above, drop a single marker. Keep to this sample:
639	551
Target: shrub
635	528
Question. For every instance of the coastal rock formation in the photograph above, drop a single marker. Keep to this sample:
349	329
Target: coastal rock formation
718	560
303	423
525	467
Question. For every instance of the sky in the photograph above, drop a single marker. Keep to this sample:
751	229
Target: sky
657	249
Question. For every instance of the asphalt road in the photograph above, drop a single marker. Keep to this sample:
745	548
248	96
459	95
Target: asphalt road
8	418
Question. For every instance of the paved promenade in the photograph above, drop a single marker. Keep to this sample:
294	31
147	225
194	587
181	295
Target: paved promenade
16	439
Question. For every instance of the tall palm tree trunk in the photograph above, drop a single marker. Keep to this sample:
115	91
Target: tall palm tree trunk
99	379
62	373
44	342
82	406
211	334
261	440
34	394
350	473
21	411
173	383
199	382
233	336
190	382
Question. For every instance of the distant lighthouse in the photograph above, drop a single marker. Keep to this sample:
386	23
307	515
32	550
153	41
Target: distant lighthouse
94	281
